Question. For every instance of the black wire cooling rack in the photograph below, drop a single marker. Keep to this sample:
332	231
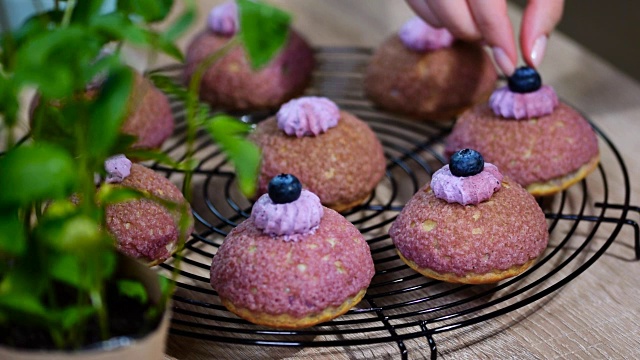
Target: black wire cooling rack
402	310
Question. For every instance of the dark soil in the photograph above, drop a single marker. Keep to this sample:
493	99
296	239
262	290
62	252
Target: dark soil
127	317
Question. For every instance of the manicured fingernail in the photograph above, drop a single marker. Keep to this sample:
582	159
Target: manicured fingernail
503	61
537	52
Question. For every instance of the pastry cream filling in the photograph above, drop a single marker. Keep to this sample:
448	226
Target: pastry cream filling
466	190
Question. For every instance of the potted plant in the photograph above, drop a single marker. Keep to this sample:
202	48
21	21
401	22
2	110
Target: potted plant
64	289
63	286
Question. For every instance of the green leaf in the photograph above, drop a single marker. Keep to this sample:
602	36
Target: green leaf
162	158
109	194
264	29
106	262
85	10
12	235
61	208
166	46
169	86
116	26
35	172
69	269
223	126
73	233
23	307
245	156
34	26
8	100
37	24
108	112
71	316
230	134
181	24
24	277
155	155
82	272
64	51
133	289
54	124
167	288
149	10
123	143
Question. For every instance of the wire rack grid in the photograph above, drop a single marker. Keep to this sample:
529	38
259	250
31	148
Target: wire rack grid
402	309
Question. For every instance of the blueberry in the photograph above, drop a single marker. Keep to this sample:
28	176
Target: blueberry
284	188
466	162
525	80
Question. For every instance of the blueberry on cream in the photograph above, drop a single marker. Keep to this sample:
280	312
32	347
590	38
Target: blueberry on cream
524	80
466	162
284	188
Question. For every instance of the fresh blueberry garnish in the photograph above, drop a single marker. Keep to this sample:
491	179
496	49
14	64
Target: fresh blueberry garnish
466	162
525	80
284	188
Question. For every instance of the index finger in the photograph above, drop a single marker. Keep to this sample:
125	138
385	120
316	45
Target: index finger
493	23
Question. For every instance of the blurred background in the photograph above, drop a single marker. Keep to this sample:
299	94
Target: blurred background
606	28
609	29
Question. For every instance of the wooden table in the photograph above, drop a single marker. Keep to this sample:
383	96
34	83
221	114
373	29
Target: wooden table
593	316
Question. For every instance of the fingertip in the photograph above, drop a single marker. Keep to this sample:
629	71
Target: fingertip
421	8
504	62
455	15
538	21
494	24
538	49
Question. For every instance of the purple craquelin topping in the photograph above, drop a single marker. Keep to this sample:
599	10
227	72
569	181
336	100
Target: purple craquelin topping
466	190
308	116
289	221
417	35
223	19
513	105
118	167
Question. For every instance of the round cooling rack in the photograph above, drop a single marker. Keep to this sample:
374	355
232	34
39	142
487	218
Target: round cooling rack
402	312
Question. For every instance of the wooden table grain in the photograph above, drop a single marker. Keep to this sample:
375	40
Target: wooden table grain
594	316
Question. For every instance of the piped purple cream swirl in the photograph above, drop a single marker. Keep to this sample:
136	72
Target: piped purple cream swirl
466	190
513	105
308	116
290	220
118	167
417	35
223	19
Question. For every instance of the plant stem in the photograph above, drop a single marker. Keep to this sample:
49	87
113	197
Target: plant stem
58	340
68	11
183	226
119	47
192	128
38	209
192	105
56	334
4	20
27	219
98	303
10	140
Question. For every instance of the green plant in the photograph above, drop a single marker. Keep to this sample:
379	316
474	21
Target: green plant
264	30
57	265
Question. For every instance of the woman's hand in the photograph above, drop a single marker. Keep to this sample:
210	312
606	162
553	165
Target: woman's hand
487	20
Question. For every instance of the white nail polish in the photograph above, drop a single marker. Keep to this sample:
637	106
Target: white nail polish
503	61
539	47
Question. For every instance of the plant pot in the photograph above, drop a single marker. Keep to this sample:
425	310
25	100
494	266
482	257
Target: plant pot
151	346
